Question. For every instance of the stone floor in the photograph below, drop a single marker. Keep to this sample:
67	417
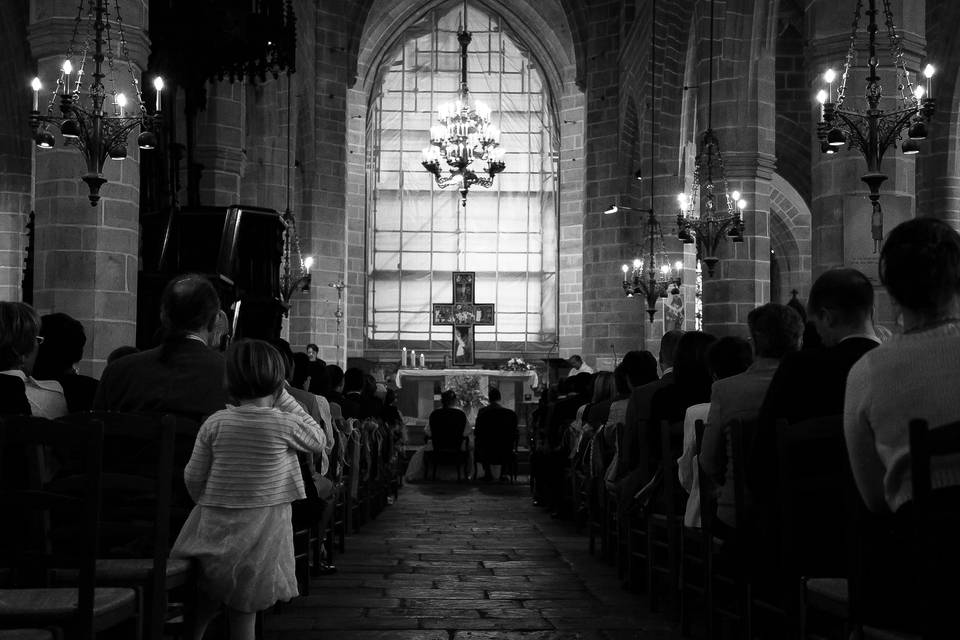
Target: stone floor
454	561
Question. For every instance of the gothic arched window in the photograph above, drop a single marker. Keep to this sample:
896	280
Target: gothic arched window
417	234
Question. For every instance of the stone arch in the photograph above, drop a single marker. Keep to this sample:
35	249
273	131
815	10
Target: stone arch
789	240
555	41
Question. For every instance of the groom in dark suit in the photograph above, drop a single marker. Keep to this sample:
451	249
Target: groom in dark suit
811	383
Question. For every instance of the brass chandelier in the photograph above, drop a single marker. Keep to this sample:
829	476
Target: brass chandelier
711	212
873	131
465	147
89	125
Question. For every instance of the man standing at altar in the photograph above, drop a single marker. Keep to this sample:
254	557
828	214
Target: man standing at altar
578	366
494	436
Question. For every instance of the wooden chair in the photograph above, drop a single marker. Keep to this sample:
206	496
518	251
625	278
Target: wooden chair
664	522
935	516
813	470
734	578
448	448
692	561
32	552
135	539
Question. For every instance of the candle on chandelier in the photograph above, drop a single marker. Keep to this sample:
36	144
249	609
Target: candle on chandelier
821	98
36	86
120	101
158	85
403	357
625	269
67	69
829	76
928	72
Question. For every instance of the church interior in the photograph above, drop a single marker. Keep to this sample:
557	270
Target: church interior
422	189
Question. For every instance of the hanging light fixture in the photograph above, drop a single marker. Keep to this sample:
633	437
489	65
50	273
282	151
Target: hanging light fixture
711	212
291	282
652	277
465	147
90	127
874	130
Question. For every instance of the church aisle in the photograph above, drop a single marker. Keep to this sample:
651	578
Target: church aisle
467	562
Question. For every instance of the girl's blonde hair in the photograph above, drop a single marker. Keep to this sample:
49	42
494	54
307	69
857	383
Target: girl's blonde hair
254	369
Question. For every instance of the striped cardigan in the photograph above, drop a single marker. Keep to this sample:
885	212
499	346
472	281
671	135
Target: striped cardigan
246	457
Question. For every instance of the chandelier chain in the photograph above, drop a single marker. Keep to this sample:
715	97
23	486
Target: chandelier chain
896	53
851	53
125	51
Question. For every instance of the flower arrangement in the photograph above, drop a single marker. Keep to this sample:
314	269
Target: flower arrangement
469	393
516	364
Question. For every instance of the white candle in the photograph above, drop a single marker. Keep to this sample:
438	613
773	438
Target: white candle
158	85
423	361
36	86
403	357
413	358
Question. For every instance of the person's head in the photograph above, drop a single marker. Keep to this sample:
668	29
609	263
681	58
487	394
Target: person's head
775	330
254	370
283	348
493	395
63	342
121	352
334	377
640	368
312	351
301	369
690	361
604	387
729	356
841	304
448	398
319	380
920	267
189	304
811	337
576	362
668	347
19	333
353	380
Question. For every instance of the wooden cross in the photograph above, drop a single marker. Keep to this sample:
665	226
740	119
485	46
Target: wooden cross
463	315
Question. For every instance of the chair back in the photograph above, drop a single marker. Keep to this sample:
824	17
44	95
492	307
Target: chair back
29	550
137	488
935	512
739	431
447	439
671	483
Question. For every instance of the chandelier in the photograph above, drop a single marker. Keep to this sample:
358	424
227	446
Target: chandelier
653	277
711	212
465	147
874	130
91	127
292	281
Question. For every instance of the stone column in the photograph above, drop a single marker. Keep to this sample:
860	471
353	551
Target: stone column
220	143
86	256
842	224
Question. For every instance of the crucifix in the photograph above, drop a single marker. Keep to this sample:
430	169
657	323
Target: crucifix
463	315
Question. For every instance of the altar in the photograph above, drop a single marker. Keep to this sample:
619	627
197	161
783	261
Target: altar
419	389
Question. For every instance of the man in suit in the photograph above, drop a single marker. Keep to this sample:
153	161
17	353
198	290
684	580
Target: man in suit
494	435
811	383
183	375
635	440
775	330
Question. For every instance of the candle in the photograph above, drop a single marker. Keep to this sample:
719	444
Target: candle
158	85
67	69
423	361
928	72
413	358
36	86
403	357
120	101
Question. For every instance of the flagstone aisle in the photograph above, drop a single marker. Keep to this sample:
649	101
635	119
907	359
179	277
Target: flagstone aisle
455	561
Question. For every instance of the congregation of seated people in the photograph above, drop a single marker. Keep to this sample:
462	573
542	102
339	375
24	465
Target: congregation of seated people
791	455
267	441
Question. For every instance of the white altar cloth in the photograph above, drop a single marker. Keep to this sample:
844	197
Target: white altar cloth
530	377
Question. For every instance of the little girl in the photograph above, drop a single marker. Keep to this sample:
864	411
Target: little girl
243	475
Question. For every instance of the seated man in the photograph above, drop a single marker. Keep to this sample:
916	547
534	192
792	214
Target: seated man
811	383
578	366
446	426
775	330
495	435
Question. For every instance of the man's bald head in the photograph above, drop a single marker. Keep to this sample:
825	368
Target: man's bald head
189	303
